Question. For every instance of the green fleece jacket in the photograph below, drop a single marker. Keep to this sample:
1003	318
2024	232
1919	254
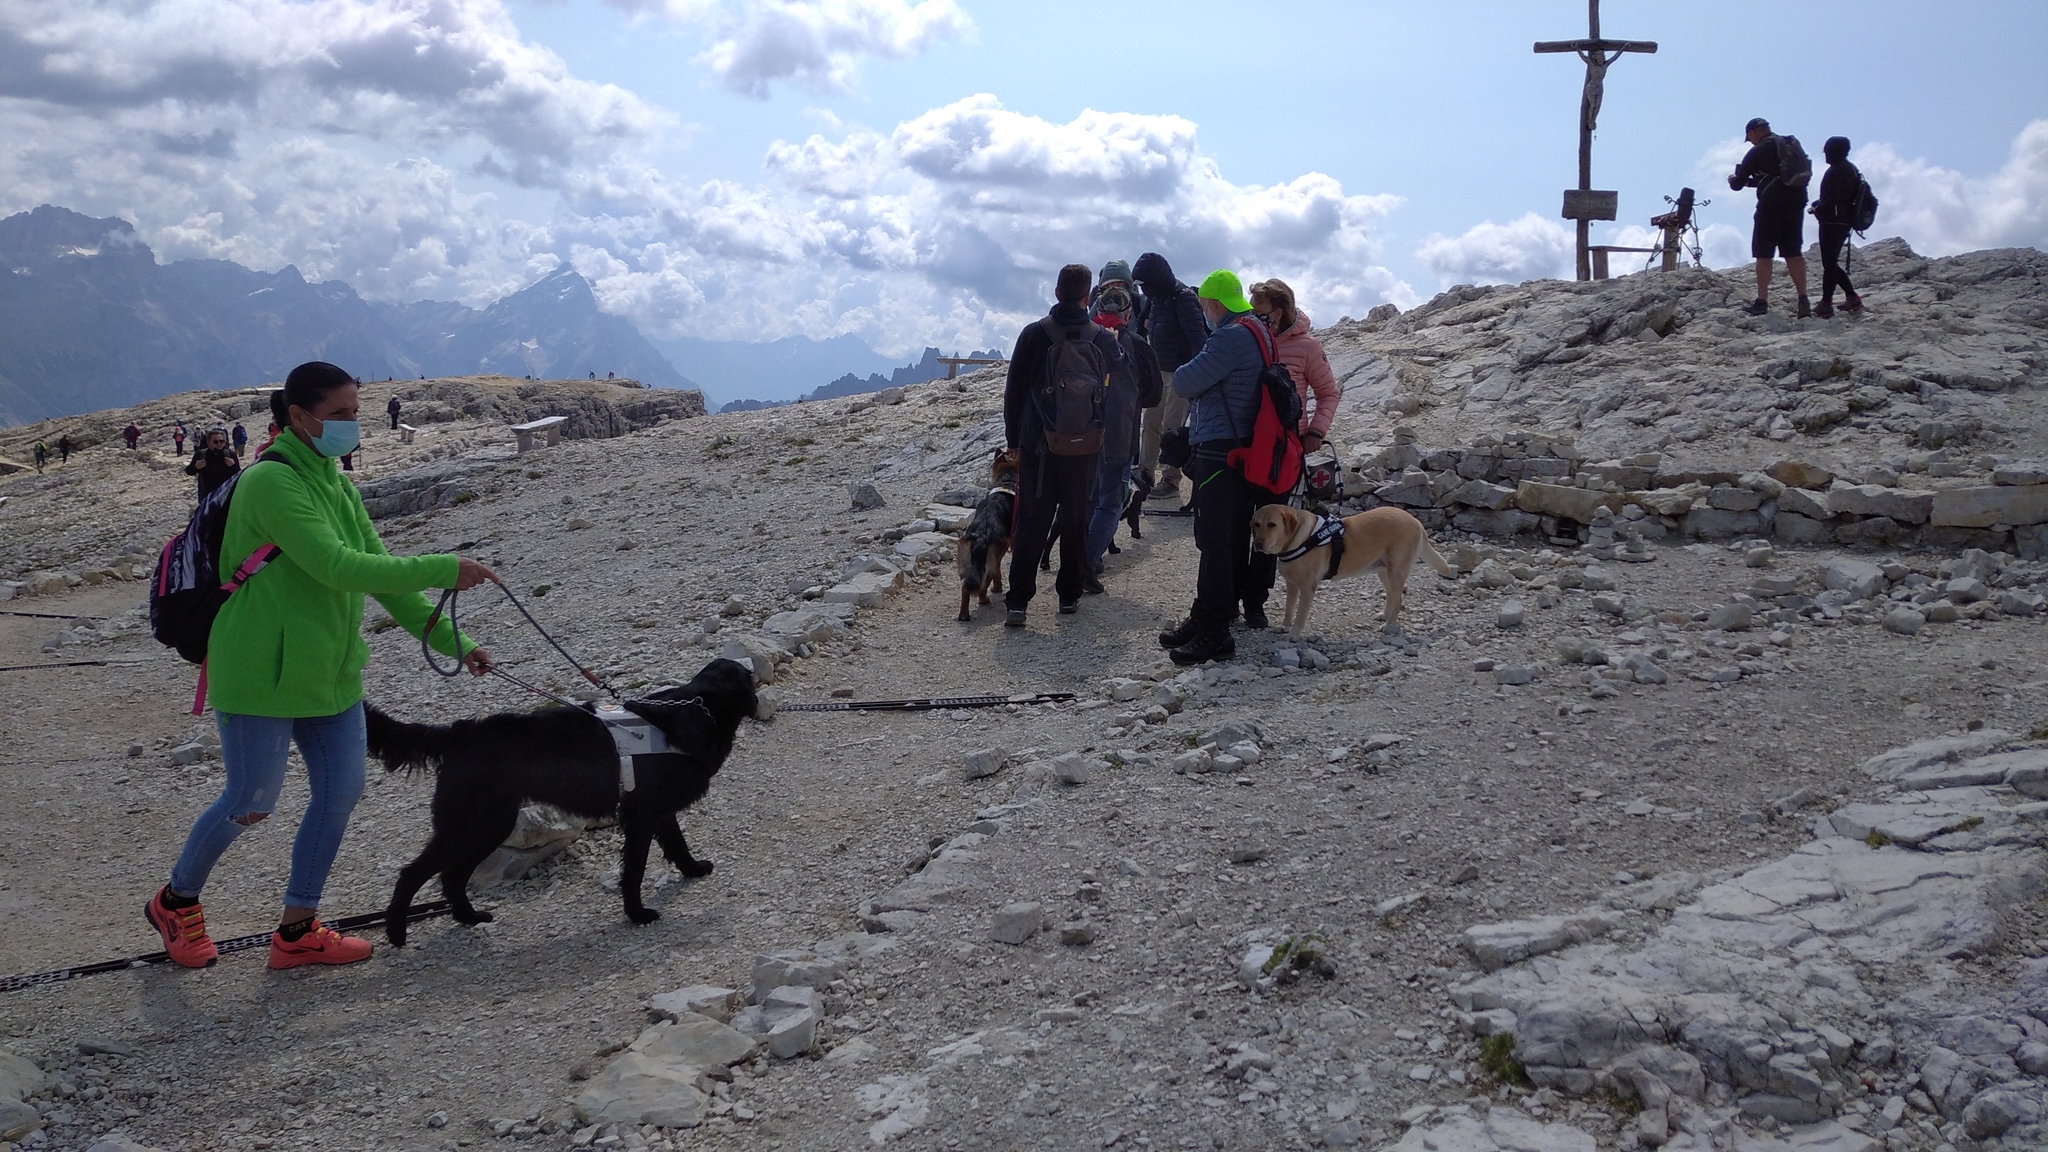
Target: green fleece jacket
289	642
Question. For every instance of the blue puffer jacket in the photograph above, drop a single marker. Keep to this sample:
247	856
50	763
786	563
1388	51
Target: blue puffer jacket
1223	382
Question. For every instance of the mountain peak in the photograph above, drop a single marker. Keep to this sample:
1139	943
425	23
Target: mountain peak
46	234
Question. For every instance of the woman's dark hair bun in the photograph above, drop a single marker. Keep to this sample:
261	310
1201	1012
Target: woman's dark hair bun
280	409
310	383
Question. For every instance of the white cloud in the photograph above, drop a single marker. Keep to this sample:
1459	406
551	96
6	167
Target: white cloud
1530	248
819	44
1940	211
196	75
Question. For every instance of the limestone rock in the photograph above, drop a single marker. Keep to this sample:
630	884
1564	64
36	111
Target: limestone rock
638	1089
1993	504
1800	474
1018	922
778	970
983	762
864	495
696	1000
1497	945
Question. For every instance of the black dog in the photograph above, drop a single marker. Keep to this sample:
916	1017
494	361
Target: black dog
565	757
980	550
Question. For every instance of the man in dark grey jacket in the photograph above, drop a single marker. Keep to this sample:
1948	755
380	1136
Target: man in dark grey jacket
1174	325
1222	385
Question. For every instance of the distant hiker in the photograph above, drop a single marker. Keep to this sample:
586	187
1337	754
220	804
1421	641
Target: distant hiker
239	438
178	437
1052	414
593	373
214	463
64	449
1173	325
132	435
1133	386
1835	211
42	456
611	375
1778	169
1273	302
1222	382
285	665
391	410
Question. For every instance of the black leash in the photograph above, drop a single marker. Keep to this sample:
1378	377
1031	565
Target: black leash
447	606
929	704
426	911
74	664
49	615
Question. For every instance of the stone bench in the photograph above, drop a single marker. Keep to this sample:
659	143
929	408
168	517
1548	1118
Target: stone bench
406	432
547	429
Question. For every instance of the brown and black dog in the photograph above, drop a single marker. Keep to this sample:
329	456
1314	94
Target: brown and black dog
1384	539
979	553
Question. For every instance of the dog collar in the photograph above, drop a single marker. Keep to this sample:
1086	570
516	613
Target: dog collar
632	736
1004	491
1328	528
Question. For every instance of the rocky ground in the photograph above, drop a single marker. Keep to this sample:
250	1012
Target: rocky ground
1623	792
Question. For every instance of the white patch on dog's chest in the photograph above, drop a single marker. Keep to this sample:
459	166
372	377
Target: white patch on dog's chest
632	736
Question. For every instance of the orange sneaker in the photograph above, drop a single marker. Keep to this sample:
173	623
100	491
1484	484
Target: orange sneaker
320	945
183	931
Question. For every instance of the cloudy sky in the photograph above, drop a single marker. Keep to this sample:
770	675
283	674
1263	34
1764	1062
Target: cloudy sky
913	171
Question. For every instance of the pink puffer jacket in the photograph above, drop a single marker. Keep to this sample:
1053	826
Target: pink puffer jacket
1303	355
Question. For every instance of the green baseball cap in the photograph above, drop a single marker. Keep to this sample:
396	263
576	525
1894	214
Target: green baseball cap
1223	287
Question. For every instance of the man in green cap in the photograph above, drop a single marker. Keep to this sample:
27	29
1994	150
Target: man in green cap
1222	386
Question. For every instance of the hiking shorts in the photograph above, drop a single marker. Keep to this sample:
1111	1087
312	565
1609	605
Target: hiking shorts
1780	230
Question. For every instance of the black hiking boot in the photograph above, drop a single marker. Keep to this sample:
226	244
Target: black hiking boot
1203	648
1825	310
1092	585
1757	307
1179	634
1805	308
1255	617
1014	618
1853	304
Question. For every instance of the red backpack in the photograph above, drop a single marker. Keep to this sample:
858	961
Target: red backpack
1273	461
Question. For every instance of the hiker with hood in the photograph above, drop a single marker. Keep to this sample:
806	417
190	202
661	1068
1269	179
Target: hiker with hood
215	463
1779	171
42	456
1135	386
1834	211
1053	415
1222	385
64	449
1173	325
391	408
132	435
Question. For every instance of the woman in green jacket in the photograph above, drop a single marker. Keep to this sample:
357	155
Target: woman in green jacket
285	661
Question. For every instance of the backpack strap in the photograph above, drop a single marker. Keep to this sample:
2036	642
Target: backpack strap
1261	337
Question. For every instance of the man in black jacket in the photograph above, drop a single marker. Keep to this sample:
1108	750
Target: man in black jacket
1173	325
1780	213
1834	210
1048	482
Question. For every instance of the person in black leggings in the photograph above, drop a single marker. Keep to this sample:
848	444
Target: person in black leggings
1834	210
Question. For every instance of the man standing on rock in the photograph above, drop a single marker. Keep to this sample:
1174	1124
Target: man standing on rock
1222	384
1779	172
1172	324
1134	387
1052	415
391	410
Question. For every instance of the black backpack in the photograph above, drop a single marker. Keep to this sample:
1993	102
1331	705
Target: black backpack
1863	209
1795	169
188	589
1071	399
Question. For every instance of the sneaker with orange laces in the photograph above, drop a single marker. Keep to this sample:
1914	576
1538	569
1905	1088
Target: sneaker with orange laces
320	945
183	931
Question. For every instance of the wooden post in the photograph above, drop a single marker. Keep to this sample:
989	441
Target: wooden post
1598	54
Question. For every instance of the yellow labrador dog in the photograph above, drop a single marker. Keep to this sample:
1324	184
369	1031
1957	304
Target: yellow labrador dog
1312	549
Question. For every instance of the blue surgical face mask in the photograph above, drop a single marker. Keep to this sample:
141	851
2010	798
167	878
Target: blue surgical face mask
337	437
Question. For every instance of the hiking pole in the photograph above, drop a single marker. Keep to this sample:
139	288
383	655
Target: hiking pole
928	704
426	911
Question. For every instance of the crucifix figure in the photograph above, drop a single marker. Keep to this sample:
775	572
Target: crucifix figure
1588	205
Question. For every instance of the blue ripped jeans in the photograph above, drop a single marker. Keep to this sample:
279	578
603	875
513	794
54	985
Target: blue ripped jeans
253	749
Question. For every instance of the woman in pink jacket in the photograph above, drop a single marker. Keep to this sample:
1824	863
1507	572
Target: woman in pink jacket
1273	302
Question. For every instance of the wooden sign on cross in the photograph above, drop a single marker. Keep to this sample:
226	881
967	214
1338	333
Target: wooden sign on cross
1598	54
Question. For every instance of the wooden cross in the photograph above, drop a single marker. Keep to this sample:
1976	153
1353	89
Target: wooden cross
1588	205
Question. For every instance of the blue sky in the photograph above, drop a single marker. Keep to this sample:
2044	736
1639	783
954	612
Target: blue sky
911	171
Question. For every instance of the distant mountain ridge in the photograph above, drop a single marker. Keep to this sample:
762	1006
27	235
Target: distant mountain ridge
89	319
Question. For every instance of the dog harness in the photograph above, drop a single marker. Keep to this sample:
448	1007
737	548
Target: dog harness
1329	530
633	736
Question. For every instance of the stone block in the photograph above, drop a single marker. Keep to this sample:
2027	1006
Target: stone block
1720	524
696	1000
1800	474
1497	945
1730	499
1479	494
1576	504
1813	505
1018	922
1794	528
1899	504
1992	504
1859	578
